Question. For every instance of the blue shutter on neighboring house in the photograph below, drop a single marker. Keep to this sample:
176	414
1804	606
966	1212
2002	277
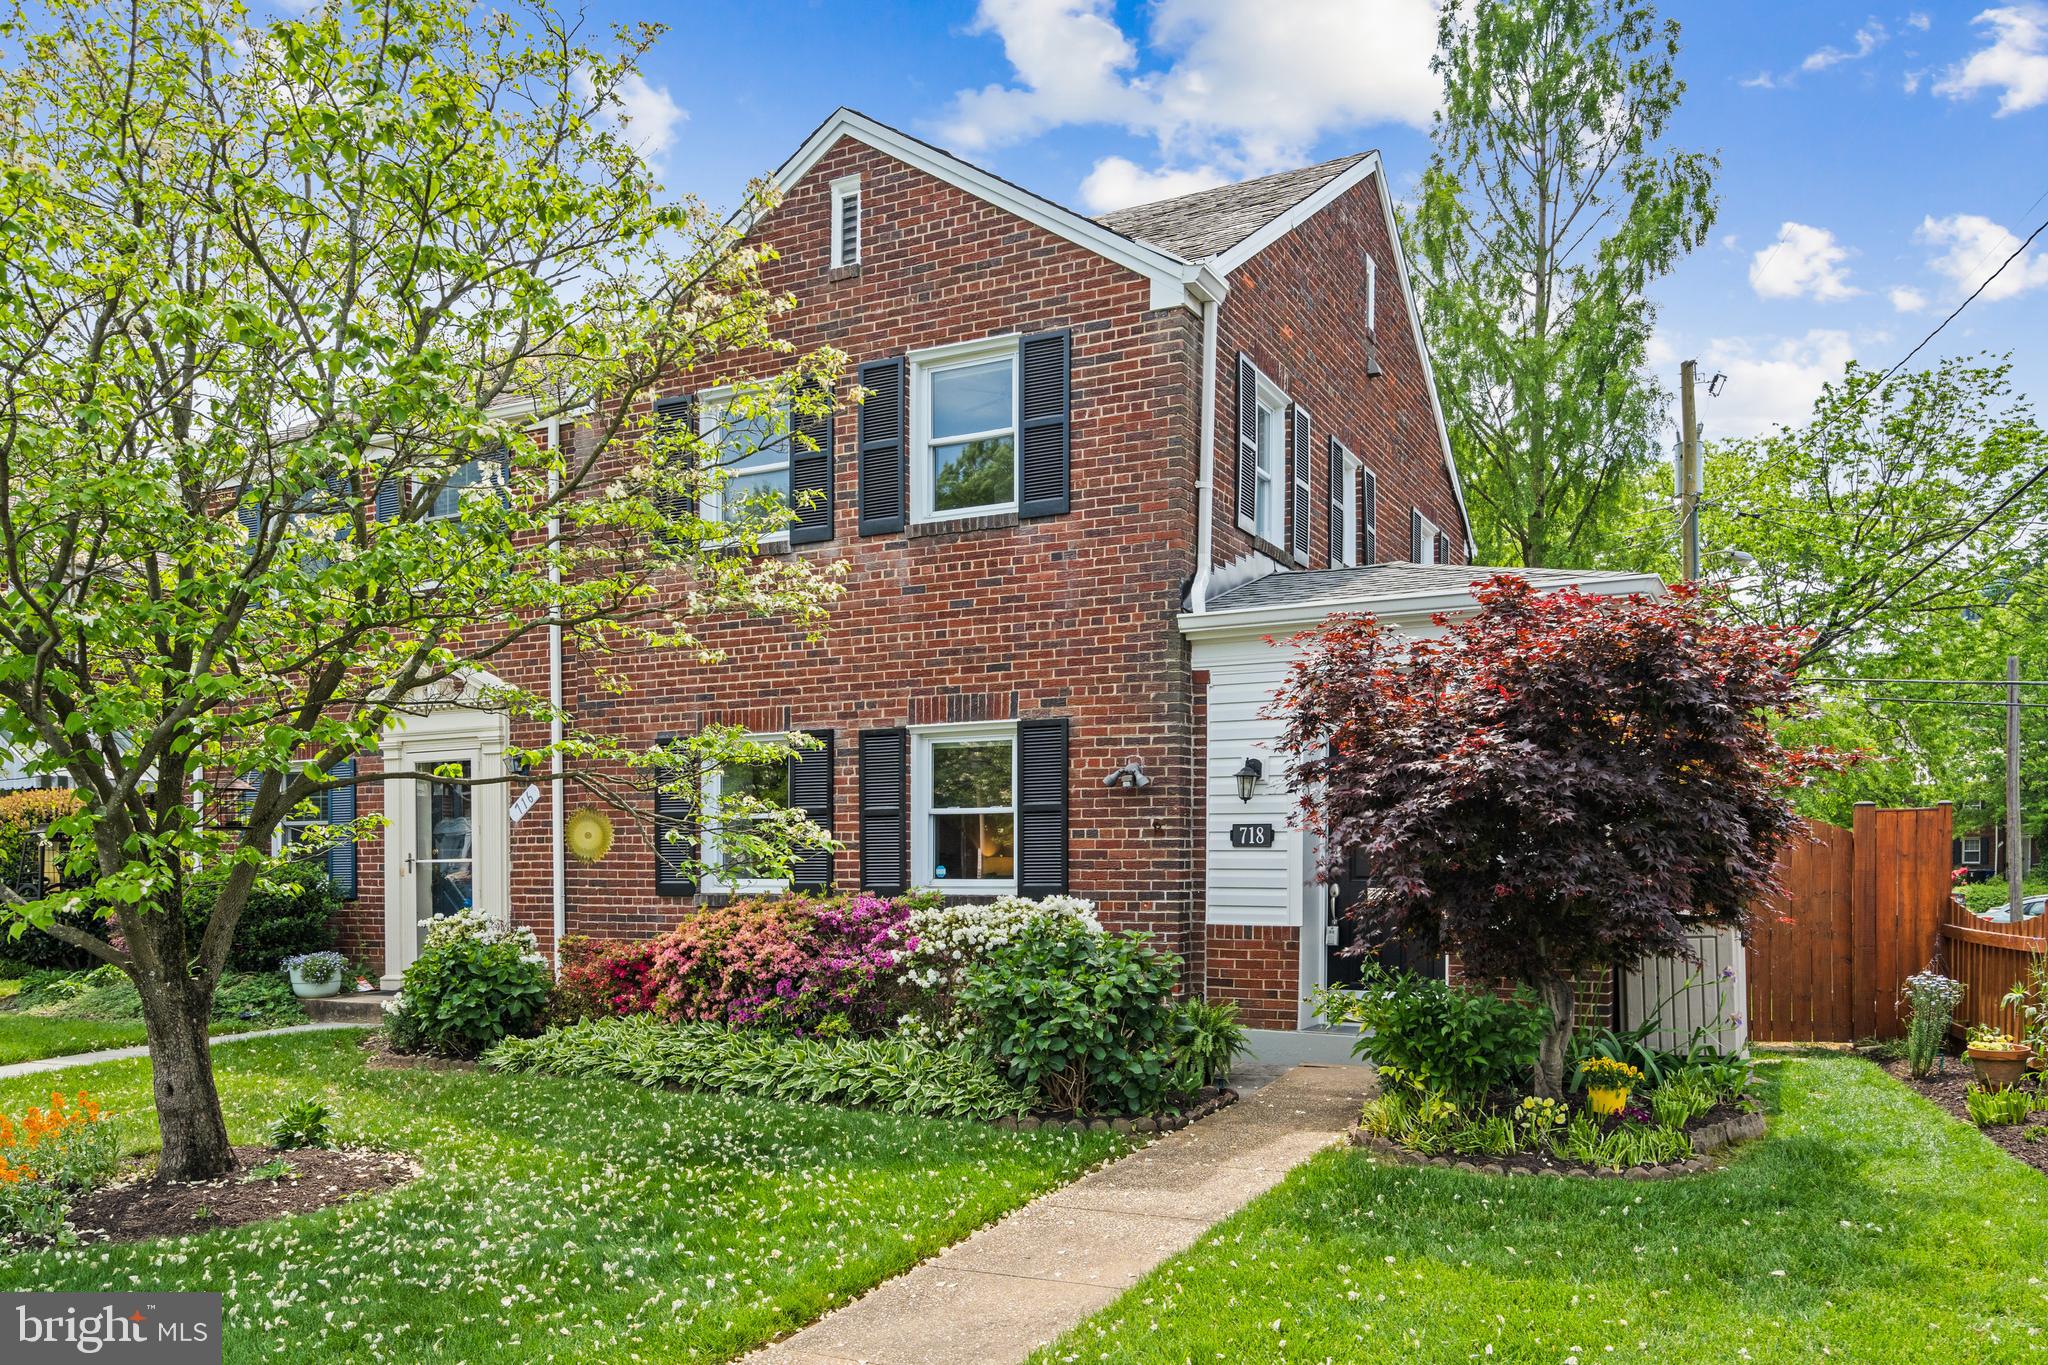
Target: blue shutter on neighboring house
340	809
390	497
881	459
1046	407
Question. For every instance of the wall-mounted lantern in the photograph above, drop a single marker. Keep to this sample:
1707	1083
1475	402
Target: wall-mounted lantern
1248	778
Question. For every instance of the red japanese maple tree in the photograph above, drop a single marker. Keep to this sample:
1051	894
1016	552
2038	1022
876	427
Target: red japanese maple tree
1558	784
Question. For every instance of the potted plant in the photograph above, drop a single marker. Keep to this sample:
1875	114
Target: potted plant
1999	1059
315	975
1607	1083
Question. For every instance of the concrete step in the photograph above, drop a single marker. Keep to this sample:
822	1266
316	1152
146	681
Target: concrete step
350	1007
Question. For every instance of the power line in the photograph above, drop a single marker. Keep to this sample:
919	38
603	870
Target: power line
1931	682
1966	302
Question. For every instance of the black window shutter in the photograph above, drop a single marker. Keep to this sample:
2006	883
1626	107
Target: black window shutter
1414	535
881	447
1337	492
341	809
1046	408
1299	514
1443	548
670	413
810	791
810	477
675	838
1369	520
1247	445
1042	807
884	822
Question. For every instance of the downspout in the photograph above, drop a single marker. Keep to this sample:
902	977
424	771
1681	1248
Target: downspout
556	849
1205	473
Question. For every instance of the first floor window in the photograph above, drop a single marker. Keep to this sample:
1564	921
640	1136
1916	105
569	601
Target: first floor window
968	794
756	785
967	431
1973	850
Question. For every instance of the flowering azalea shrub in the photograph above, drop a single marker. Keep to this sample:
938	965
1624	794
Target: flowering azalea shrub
949	940
600	978
48	1158
474	983
797	963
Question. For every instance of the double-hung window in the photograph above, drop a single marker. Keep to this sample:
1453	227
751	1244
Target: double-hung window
1269	502
486	471
302	825
1427	538
964	803
1973	851
964	421
1344	509
757	785
753	456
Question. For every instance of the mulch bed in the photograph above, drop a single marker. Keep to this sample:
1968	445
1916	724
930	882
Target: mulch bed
148	1206
1945	1090
380	1057
1185	1112
1719	1127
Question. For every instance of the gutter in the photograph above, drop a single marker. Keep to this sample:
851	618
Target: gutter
557	854
1394	607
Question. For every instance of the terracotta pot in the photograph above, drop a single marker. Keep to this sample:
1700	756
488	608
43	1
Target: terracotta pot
1998	1068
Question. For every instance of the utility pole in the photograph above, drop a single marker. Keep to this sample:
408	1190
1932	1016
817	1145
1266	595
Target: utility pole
2014	872
1688	472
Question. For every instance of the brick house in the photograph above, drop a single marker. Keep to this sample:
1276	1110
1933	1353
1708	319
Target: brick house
1102	460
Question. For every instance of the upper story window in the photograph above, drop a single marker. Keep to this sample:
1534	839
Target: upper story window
753	454
964	430
1344	509
1973	849
964	799
1425	539
1269	503
846	221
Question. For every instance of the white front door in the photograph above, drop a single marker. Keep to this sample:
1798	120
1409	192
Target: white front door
447	846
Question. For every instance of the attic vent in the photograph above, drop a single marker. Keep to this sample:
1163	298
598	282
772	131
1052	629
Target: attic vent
846	222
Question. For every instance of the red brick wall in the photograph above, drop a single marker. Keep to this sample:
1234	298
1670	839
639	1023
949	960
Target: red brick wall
1298	310
1258	967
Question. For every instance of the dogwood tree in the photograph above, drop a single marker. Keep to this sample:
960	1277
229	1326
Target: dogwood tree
1557	785
326	346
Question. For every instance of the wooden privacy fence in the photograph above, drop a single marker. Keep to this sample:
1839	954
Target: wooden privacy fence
1861	909
1989	959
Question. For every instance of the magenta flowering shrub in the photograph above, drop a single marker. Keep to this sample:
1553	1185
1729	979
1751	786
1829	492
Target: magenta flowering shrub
795	962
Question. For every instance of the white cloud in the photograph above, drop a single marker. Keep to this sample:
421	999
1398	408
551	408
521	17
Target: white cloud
2015	64
1762	80
1918	19
1770	381
1974	247
1907	299
1910	82
642	113
1240	89
1869	39
1805	262
1118	183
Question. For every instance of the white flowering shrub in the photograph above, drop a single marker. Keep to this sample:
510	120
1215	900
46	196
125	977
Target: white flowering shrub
952	938
475	982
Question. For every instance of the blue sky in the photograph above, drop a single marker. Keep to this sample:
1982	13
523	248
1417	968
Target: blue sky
1905	146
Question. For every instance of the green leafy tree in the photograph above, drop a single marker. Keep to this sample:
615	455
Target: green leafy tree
1548	209
283	306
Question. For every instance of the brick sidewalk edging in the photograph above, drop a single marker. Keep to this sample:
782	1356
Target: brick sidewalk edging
1025	1280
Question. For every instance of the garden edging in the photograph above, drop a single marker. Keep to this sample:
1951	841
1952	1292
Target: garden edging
1706	1139
1143	1123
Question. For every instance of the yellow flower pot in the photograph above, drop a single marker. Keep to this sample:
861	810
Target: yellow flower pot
1604	1101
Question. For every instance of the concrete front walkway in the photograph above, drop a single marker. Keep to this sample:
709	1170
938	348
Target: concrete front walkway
121	1054
1014	1286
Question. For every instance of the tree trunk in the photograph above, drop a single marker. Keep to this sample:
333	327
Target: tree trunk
1559	996
195	1135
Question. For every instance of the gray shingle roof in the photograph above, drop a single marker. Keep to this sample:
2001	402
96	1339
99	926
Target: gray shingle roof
1384	580
1210	222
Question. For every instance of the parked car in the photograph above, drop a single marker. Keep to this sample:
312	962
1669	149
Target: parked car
2031	907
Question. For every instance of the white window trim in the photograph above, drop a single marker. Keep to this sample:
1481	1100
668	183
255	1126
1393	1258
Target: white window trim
1430	532
1973	849
1279	480
1352	471
713	883
844	188
711	405
923	365
922	738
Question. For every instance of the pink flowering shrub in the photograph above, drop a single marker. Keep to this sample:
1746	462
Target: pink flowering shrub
795	962
601	977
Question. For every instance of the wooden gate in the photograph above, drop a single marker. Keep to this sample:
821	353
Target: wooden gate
1989	959
1859	912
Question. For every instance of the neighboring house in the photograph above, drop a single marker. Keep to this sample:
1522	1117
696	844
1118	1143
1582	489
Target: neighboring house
1101	461
1979	853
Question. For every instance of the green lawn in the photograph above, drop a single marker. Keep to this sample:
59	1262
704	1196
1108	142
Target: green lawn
559	1220
1868	1226
26	1037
